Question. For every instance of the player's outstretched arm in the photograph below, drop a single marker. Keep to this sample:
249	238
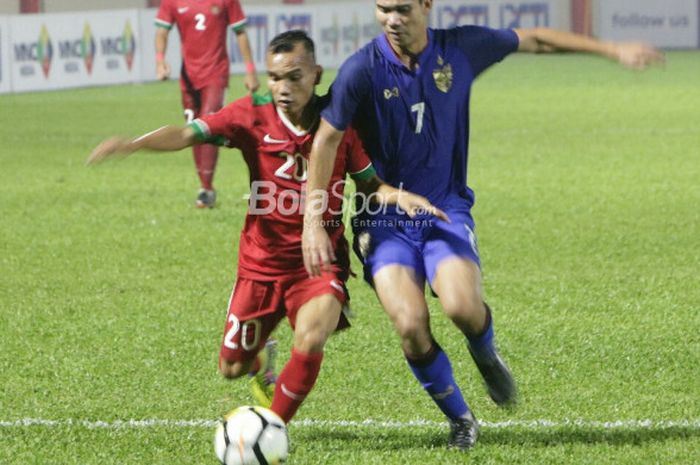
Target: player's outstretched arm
412	204
316	245
162	66
251	78
634	55
165	139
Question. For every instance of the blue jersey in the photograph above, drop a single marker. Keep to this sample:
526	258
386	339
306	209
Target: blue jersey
415	124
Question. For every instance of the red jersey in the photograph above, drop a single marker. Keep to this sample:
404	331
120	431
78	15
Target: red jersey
277	155
202	25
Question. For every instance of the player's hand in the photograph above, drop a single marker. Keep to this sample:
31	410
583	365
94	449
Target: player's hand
110	148
317	248
162	70
637	55
251	82
414	204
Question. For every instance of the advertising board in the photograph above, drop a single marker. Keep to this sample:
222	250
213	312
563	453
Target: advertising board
668	24
56	51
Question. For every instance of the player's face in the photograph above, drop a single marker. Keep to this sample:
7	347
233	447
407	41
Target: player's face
404	22
292	77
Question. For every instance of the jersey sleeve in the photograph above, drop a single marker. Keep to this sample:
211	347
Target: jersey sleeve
485	46
165	17
359	166
352	85
236	17
226	126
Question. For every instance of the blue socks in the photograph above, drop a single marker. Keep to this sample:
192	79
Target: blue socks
435	374
482	345
434	371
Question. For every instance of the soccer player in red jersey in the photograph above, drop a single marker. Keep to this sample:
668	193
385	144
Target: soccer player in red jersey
203	27
275	135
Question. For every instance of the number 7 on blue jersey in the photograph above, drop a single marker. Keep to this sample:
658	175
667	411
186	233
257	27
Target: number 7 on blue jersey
420	108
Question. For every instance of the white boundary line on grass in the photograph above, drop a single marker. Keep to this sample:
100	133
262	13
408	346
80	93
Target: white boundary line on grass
369	423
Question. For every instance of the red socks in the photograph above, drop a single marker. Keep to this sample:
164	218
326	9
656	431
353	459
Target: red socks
205	157
295	382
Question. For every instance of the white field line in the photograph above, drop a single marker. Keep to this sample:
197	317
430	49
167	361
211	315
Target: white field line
369	423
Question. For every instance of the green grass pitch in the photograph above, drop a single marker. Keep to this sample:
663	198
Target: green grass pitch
113	288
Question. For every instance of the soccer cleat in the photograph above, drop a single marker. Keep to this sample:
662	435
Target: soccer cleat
206	199
498	378
463	432
262	383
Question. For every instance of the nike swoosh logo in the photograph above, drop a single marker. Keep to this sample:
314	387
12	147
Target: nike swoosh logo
183	10
269	140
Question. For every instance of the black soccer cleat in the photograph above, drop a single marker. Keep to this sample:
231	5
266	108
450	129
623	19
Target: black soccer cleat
463	433
206	199
498	378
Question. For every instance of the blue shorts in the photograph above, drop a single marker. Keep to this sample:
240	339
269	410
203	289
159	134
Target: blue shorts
419	244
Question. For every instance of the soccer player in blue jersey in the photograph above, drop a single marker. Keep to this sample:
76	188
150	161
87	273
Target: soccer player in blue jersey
407	93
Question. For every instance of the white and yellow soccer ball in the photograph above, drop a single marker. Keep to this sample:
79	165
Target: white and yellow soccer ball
251	436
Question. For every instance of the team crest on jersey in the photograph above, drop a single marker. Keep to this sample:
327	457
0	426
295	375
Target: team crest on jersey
215	10
443	75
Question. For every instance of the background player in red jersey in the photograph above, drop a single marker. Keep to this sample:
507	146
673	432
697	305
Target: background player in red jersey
203	27
275	136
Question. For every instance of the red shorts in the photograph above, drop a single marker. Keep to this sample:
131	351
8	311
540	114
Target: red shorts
256	307
199	102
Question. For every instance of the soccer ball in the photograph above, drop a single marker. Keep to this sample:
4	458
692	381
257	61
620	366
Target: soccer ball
251	436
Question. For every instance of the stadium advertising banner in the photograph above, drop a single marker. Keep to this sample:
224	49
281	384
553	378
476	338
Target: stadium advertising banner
4	55
501	14
671	23
338	30
341	29
56	51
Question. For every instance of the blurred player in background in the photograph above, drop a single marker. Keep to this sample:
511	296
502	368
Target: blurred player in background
407	94
203	27
275	135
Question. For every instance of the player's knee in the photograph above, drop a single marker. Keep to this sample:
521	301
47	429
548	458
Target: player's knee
311	339
467	315
462	305
412	329
233	370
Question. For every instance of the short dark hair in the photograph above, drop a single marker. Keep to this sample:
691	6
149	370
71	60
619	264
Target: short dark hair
286	41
